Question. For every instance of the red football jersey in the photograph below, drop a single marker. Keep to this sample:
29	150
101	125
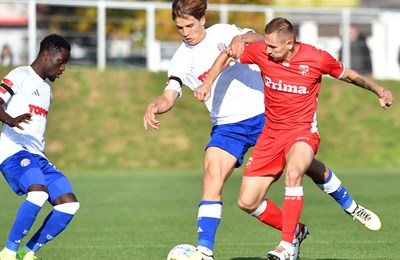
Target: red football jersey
291	87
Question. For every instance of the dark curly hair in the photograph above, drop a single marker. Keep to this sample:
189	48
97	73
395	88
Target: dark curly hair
54	42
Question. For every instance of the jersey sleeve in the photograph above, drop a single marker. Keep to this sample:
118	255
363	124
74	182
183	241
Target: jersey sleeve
177	71
233	30
9	85
174	83
331	66
250	53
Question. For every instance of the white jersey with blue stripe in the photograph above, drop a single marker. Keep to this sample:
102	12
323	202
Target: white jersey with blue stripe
24	91
237	94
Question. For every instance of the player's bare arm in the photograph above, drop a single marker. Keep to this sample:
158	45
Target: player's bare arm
203	92
11	121
384	95
160	105
238	42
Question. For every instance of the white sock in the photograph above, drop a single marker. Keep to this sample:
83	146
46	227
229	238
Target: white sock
9	251
205	250
287	246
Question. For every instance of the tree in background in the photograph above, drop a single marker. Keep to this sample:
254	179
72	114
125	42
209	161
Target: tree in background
132	23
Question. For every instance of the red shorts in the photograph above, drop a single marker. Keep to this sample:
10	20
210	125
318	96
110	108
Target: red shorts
268	157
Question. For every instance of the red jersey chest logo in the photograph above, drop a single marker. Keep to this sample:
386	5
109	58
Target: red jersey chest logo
304	69
280	85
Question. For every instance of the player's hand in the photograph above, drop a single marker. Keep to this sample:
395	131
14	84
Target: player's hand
386	100
149	118
16	122
202	93
236	47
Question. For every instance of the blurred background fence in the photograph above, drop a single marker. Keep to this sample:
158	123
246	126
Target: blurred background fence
142	34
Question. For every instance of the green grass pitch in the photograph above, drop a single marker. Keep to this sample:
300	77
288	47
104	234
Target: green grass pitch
143	214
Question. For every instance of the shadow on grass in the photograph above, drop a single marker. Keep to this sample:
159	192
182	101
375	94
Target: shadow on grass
246	258
324	258
258	258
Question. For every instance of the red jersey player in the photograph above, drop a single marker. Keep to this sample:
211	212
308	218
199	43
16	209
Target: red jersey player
292	74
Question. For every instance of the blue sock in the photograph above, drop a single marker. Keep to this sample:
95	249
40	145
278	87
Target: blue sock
53	225
210	213
333	187
342	197
26	216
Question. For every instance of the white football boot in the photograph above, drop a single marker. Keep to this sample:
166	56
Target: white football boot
366	217
301	235
278	254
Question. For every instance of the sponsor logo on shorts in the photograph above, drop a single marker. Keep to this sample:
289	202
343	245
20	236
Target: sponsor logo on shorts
249	162
25	162
302	138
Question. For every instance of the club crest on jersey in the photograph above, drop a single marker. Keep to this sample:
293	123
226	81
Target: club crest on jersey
304	70
25	162
221	46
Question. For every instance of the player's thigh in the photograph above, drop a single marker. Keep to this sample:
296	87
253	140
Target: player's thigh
236	138
21	171
253	190
318	172
58	185
218	162
218	166
60	191
298	160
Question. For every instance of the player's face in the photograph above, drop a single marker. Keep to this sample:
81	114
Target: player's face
55	63
277	47
191	29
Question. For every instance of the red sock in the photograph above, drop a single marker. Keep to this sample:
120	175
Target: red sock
272	215
291	211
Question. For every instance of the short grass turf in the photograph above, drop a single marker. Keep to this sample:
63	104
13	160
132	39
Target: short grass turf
142	214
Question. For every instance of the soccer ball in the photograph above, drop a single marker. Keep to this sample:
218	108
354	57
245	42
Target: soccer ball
179	252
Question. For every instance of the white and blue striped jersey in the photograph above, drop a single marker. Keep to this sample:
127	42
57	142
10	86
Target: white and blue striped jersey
24	91
237	94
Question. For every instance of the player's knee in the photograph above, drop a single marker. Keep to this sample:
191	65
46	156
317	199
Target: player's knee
69	208
37	197
246	206
293	179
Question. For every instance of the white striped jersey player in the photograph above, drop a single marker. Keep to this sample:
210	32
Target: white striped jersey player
237	94
24	91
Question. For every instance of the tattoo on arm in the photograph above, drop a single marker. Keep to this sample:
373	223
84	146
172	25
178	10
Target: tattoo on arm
362	83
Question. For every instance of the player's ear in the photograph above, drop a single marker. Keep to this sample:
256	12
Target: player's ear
45	55
203	20
290	44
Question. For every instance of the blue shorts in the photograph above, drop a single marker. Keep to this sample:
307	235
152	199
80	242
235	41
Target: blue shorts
237	138
24	169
